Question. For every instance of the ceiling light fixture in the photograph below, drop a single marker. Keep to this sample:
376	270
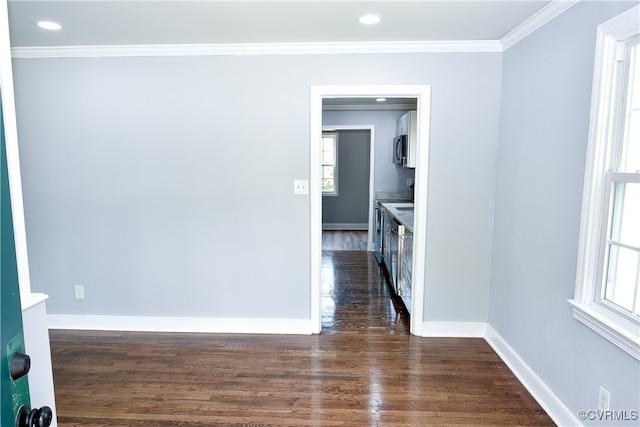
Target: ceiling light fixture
381	99
369	19
49	25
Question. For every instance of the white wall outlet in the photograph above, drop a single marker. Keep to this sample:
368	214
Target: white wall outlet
300	186
78	291
604	399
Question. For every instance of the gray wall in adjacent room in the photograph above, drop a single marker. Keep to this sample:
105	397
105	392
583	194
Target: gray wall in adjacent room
544	125
351	204
387	176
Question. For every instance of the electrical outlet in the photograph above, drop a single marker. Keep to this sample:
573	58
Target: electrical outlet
79	291
604	399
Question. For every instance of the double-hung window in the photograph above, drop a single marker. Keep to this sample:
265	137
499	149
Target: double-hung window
619	284
329	163
607	297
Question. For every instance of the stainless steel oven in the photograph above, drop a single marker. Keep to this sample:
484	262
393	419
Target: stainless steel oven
378	237
392	251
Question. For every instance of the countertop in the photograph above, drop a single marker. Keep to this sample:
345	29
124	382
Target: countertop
394	196
403	212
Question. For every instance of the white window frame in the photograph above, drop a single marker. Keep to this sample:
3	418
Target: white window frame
587	308
333	135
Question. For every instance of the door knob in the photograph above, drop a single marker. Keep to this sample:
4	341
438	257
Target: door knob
20	365
35	418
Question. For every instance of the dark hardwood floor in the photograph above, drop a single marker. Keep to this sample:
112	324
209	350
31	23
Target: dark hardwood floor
344	240
364	369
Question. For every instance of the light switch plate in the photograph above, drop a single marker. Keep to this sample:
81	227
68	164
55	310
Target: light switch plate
300	186
78	290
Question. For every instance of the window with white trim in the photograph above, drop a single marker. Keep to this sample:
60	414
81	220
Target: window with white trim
607	297
619	283
329	163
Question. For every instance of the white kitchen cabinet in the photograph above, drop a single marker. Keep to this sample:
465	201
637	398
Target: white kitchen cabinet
401	125
407	124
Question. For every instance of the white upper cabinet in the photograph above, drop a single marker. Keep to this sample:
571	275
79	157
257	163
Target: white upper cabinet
407	125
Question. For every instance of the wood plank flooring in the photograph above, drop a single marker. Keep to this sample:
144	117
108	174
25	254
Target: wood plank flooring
349	240
364	369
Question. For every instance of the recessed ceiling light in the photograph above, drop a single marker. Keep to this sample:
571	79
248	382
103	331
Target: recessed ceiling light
369	19
381	99
49	25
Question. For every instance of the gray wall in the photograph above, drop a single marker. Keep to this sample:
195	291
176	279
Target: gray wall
164	184
387	176
157	182
543	140
351	204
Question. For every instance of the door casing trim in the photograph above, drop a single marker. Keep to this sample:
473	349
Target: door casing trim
422	93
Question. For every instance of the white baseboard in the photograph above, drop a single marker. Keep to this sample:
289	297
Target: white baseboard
552	405
345	226
180	324
454	329
547	399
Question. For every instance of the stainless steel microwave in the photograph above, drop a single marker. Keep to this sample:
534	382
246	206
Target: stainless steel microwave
399	150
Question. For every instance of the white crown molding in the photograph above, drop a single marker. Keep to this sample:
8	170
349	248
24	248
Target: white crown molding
535	21
256	49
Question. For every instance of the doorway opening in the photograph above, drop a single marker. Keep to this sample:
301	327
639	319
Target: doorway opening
422	94
347	185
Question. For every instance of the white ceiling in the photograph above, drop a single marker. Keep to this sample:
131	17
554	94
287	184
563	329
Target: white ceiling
144	22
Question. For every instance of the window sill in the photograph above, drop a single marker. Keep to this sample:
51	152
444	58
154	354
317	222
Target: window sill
621	332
